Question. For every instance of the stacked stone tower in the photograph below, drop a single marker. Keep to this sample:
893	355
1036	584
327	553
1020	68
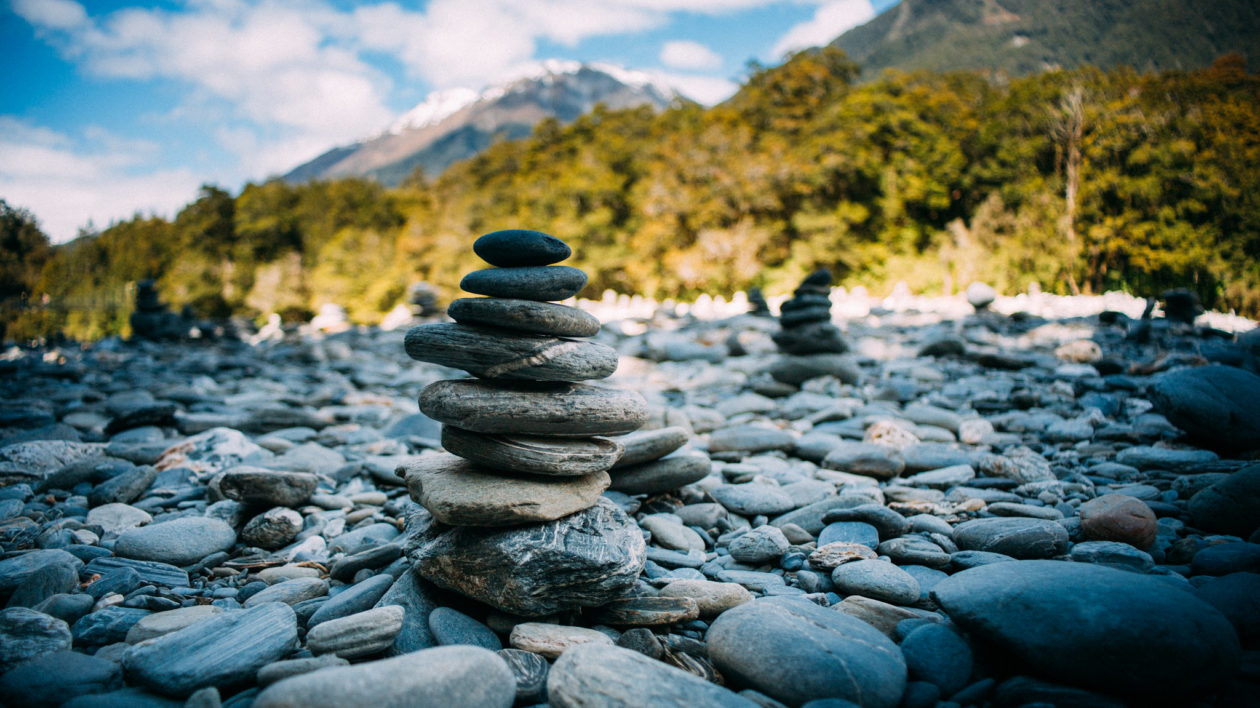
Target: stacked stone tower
526	458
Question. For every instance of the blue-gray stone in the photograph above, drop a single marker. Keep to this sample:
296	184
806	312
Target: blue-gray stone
795	651
16	569
53	679
543	283
1226	558
1219	406
225	650
513	248
451	627
121	580
356	598
150	571
45	582
124	698
413	594
450	677
106	626
936	654
1231	505
1094	627
181	541
849	532
1017	537
926	577
876	579
1237	596
616	677
67	607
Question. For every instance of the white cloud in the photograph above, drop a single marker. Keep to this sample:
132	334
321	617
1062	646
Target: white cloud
51	14
686	54
832	19
706	90
67	186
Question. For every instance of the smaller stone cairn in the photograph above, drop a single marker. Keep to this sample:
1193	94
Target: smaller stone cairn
811	345
422	300
151	319
527	458
757	304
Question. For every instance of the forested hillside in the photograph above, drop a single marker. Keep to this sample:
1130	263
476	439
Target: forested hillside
1080	180
1018	37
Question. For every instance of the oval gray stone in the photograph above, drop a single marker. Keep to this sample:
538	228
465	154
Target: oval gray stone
492	353
1093	626
459	493
181	541
613	677
524	315
797	370
1230	506
750	438
520	247
360	634
646	445
563	409
795	651
26	634
254	485
663	475
1013	536
453	677
878	580
582	560
526	283
224	651
559	457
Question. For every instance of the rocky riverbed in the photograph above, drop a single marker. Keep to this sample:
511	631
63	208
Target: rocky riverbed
995	508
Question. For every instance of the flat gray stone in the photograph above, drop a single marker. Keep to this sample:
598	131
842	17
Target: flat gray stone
1095	627
526	283
413	594
1016	537
514	248
26	634
876	579
753	498
13	571
357	635
796	370
459	493
581	560
560	457
254	485
648	445
495	353
452	677
522	408
55	678
670	472
547	318
867	459
795	651
613	677
181	541
224	650
750	438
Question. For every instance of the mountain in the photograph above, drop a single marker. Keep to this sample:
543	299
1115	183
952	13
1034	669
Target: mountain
456	124
1018	37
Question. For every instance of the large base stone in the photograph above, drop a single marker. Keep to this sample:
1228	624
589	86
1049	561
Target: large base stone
582	560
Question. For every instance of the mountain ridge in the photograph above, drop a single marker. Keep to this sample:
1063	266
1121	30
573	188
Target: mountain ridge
455	124
1019	37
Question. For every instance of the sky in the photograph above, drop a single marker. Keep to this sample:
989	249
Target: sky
113	108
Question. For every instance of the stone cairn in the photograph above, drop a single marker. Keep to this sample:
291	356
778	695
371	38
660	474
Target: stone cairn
151	319
812	345
522	525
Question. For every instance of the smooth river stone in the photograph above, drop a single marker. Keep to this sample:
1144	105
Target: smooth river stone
663	475
1096	627
459	493
524	315
647	445
492	353
1013	536
795	651
558	457
451	677
542	283
613	677
523	408
254	485
582	560
224	650
512	248
180	542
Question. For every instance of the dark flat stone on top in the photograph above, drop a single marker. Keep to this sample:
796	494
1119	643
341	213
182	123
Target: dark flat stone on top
521	247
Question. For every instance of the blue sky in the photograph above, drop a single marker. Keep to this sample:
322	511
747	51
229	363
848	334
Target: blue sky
112	108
